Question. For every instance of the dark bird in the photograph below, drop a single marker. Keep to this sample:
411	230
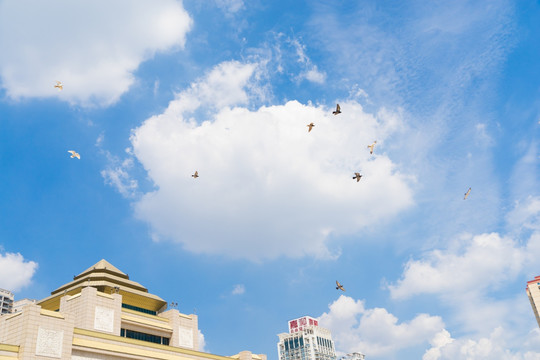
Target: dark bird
338	110
467	194
339	286
371	147
310	126
196	175
357	176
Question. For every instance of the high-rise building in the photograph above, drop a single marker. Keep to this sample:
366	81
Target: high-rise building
533	291
103	315
6	301
306	340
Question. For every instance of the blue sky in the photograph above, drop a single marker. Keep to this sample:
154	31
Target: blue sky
449	90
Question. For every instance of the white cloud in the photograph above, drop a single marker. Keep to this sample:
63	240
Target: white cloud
116	174
230	6
470	276
16	272
202	343
492	347
375	332
440	339
238	289
526	214
310	72
118	177
469	265
92	51
267	187
314	75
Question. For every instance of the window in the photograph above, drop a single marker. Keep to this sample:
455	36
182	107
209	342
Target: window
144	337
136	308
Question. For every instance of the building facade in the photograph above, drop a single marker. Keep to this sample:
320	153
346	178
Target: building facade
100	315
19	304
6	301
533	291
306	340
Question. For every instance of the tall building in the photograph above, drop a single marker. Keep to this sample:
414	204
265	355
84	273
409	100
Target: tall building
533	291
102	315
306	340
6	301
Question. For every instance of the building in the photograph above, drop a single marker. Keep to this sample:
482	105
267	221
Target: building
101	315
6	301
19	304
306	340
353	356
533	291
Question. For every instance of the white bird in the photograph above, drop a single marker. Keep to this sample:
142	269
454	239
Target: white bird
467	194
339	286
59	85
371	147
74	154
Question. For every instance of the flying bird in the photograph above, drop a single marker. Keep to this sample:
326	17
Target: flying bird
196	175
74	154
371	147
310	126
467	194
339	286
338	110
357	176
59	85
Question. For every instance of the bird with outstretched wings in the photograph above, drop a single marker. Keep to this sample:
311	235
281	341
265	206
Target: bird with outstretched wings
371	147
74	154
59	85
196	175
310	126
357	176
339	286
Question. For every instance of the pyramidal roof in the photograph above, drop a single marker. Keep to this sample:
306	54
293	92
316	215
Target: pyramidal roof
104	265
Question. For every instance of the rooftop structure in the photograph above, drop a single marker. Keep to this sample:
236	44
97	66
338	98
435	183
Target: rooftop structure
102	314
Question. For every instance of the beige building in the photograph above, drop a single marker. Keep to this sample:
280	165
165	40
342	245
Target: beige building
19	304
102	314
533	291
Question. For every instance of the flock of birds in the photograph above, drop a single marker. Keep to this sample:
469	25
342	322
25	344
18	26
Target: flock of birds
310	126
357	176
